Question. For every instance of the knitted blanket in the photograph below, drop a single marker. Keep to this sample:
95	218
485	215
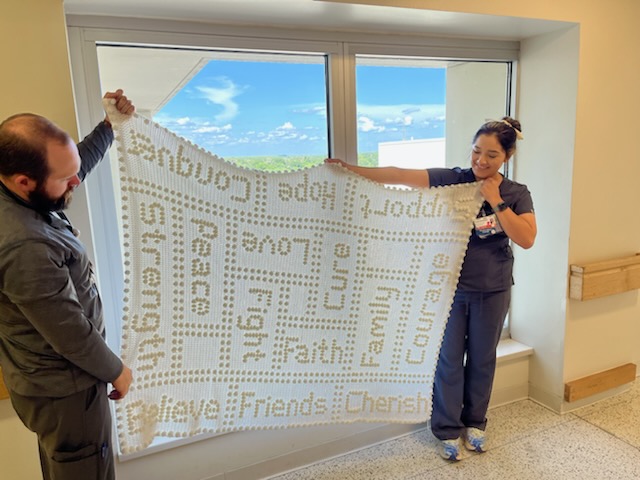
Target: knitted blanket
272	300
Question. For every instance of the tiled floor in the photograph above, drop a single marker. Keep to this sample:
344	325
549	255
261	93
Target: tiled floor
527	442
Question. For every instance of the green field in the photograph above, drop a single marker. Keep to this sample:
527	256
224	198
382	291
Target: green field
283	163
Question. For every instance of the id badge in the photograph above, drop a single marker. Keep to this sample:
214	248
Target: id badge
487	226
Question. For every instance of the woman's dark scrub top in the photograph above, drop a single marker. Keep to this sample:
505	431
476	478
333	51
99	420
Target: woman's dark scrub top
488	263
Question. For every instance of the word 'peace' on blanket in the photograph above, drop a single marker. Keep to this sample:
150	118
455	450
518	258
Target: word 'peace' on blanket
268	300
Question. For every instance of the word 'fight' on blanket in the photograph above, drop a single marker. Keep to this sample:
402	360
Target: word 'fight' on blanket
268	300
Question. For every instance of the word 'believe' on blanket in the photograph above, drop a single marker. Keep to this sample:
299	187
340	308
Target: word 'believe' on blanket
260	300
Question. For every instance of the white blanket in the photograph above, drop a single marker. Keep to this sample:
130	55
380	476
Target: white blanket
260	300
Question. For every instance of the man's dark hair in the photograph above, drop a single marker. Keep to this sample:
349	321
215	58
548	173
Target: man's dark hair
23	145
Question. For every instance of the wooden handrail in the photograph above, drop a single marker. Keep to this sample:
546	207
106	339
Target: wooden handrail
599	279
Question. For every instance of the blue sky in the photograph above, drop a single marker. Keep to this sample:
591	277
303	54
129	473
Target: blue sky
399	104
235	108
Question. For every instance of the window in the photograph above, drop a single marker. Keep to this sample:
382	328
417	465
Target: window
400	112
422	113
282	103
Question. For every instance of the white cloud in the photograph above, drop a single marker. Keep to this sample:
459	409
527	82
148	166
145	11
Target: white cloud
212	129
366	124
286	126
318	109
224	97
403	114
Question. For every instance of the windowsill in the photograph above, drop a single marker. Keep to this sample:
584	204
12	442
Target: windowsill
509	349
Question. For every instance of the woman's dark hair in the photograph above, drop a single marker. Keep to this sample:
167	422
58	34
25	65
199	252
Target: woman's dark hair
507	130
23	145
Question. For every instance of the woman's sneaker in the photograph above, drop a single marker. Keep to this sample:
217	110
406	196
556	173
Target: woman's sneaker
474	440
450	449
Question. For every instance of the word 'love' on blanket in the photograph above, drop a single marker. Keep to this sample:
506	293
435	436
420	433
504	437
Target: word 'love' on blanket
269	300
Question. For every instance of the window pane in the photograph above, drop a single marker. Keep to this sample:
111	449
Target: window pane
267	115
422	113
266	111
400	112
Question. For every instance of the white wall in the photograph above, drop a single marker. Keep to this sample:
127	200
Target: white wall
18	447
605	333
547	110
422	153
35	78
475	93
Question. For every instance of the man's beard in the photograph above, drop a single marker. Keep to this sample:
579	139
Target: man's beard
41	201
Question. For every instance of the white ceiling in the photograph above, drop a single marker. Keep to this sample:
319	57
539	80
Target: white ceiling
319	14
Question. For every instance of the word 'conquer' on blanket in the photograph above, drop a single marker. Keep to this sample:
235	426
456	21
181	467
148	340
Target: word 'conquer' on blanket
261	300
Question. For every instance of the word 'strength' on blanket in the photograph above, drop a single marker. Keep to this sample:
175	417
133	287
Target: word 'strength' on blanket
267	300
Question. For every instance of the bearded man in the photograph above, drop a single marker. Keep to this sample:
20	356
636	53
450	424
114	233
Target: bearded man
54	358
